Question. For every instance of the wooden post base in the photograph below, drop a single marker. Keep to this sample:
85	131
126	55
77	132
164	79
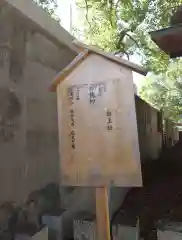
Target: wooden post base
102	214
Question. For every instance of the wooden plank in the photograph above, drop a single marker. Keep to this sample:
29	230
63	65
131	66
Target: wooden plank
102	214
97	126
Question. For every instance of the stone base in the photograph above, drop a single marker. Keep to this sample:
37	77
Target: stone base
54	224
169	235
170	231
42	235
87	230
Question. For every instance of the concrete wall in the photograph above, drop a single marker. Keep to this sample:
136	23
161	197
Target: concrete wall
29	156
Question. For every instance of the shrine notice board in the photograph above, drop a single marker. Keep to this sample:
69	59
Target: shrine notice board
98	130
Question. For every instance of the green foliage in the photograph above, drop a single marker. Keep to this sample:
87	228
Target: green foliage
49	6
122	26
165	91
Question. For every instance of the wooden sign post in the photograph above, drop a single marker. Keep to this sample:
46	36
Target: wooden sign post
97	127
102	214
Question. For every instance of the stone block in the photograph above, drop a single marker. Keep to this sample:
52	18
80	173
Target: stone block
125	232
52	57
54	224
169	235
169	231
87	230
84	230
42	235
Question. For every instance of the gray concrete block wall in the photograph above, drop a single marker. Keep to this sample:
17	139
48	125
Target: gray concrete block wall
42	165
11	130
29	156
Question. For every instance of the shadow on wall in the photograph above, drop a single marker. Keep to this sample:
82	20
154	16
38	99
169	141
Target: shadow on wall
27	219
10	110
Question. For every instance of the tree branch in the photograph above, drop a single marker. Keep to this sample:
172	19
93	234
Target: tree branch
132	39
86	16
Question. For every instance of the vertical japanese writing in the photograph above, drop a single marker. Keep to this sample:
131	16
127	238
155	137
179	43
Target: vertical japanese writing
109	120
92	95
72	117
73	139
72	133
71	95
96	90
77	93
74	93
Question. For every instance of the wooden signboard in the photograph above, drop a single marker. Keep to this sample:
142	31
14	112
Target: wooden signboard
97	125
